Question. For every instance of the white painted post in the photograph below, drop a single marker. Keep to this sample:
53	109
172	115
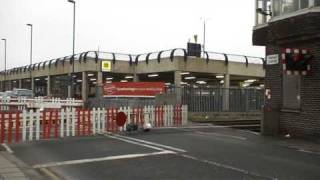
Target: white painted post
170	115
24	125
73	119
99	120
184	115
62	123
67	115
31	125
93	119
38	124
152	110
103	114
129	114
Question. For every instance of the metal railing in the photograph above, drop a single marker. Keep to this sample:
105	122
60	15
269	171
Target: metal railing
210	99
134	59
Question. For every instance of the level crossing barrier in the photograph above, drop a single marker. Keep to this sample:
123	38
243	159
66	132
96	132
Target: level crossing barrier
31	125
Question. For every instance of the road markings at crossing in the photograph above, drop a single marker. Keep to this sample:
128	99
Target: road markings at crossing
221	135
227	167
153	143
108	158
134	142
49	173
9	150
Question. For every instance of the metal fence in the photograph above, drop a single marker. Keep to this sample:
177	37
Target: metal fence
200	99
120	102
209	99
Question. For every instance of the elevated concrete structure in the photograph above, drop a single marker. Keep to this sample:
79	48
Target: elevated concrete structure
169	65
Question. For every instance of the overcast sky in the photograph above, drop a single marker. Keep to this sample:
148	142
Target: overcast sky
127	26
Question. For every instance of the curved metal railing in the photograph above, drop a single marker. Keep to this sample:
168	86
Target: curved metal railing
135	59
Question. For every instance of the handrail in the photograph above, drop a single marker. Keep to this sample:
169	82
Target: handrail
82	57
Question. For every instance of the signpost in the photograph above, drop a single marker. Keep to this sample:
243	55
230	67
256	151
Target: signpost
273	59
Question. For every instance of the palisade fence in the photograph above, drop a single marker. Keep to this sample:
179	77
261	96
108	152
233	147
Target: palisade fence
200	99
30	125
213	99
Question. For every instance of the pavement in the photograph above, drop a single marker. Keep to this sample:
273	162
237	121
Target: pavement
196	152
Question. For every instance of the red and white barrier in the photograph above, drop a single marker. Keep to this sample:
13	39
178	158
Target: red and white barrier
52	124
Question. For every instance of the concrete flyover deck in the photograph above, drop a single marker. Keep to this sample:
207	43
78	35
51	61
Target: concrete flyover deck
87	72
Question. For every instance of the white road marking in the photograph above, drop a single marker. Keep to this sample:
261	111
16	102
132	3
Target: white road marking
251	132
153	143
307	151
222	135
136	143
192	127
226	167
108	158
7	148
49	173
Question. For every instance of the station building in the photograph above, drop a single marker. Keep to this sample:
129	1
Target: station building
88	71
290	30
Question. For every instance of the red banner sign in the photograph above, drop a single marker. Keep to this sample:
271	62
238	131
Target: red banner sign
133	89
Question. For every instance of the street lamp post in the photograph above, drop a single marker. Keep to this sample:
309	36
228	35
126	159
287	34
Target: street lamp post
31	39
5	62
70	87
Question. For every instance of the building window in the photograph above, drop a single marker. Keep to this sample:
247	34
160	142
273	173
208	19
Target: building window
304	4
291	92
281	7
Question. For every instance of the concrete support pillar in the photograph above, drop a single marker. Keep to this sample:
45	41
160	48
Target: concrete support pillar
177	84
10	85
32	86
70	85
226	87
49	86
20	83
136	78
99	84
84	87
1	86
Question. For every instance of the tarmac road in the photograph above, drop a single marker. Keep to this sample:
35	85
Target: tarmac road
177	153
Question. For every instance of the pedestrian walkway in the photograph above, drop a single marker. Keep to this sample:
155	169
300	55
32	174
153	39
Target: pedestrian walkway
9	170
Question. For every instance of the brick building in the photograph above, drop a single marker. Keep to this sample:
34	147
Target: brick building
290	30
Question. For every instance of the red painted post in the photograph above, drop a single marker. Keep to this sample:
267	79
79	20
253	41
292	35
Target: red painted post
83	122
113	128
56	124
78	122
49	125
108	119
2	123
17	127
10	128
162	116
